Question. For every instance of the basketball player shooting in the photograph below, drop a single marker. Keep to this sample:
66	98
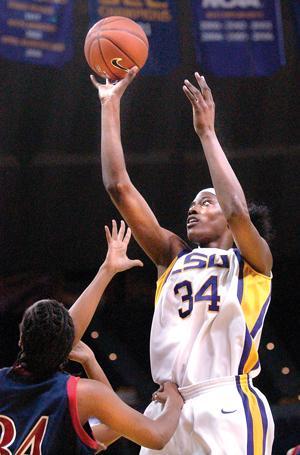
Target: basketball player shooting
211	301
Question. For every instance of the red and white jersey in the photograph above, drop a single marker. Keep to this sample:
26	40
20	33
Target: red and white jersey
209	314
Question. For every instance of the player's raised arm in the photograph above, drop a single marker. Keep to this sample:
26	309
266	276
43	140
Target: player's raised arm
116	261
100	401
229	192
159	244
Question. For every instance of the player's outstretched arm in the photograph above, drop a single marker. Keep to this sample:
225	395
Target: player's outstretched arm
228	189
98	400
159	244
116	261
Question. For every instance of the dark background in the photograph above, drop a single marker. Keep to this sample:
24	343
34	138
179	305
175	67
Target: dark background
53	204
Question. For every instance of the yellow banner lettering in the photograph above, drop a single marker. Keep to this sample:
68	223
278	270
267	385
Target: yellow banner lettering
136	3
111	2
156	4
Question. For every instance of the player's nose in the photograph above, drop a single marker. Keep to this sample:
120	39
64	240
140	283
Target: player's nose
192	210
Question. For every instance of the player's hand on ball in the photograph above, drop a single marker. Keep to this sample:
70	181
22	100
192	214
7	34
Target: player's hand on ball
113	90
117	240
168	391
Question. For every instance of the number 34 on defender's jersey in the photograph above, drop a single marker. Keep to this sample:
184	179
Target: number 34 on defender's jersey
209	314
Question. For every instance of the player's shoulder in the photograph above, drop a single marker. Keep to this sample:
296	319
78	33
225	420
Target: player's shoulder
89	387
89	394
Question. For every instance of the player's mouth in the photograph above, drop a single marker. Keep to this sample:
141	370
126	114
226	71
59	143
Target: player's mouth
191	221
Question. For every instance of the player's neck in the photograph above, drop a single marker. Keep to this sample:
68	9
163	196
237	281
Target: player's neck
224	243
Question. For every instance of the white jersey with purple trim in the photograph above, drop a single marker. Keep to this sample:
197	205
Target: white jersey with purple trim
209	313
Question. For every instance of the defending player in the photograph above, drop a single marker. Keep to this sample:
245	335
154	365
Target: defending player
46	411
210	301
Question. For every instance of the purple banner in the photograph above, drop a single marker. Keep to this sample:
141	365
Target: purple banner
159	21
36	32
238	37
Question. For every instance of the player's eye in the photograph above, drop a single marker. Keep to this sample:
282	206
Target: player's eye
206	202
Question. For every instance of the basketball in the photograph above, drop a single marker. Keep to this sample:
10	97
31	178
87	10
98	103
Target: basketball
114	45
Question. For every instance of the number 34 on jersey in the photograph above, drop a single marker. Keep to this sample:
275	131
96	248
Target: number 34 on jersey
207	291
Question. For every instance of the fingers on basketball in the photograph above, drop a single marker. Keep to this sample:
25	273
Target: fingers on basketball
114	45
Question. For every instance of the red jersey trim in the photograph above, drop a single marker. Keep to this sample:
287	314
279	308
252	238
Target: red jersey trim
73	408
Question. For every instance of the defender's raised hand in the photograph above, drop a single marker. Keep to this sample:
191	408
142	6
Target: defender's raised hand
81	353
203	105
116	261
117	240
109	90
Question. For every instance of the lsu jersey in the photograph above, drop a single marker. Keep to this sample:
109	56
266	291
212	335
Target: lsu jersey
208	318
41	418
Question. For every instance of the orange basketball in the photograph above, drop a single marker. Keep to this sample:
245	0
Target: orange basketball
114	45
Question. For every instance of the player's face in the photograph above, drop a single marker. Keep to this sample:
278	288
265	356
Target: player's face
206	224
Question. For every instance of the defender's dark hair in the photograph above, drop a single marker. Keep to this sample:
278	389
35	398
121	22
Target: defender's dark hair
47	335
261	218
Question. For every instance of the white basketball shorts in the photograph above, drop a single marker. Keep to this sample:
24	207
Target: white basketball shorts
222	416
